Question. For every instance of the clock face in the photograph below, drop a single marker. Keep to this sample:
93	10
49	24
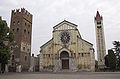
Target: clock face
65	37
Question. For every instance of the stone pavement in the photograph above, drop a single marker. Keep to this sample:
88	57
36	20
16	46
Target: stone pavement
62	75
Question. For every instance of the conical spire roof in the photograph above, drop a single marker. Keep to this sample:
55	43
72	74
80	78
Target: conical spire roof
98	17
97	14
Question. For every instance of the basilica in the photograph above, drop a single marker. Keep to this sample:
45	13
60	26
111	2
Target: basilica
66	51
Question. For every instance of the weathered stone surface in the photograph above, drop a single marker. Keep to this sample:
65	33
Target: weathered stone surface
100	40
66	38
21	26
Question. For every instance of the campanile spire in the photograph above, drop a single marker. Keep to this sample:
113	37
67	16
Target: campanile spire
100	40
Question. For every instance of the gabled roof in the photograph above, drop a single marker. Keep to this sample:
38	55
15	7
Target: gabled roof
63	22
87	42
46	43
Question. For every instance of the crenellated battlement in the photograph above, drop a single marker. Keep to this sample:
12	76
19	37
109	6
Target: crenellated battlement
21	26
21	11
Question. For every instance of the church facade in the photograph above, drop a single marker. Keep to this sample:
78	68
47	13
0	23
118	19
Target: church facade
66	51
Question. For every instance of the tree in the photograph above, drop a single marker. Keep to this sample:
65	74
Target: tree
117	52
117	46
106	61
5	36
96	64
111	59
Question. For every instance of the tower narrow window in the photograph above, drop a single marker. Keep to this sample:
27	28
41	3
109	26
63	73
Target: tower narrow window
74	55
11	48
24	48
49	55
17	29
12	64
14	23
24	30
28	32
25	23
18	22
13	57
28	25
79	54
13	30
25	58
28	50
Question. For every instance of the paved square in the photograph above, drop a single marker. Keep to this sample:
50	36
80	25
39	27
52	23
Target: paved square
64	75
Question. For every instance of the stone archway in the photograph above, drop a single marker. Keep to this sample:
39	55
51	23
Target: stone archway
64	56
64	61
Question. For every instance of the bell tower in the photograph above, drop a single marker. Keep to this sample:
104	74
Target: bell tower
100	40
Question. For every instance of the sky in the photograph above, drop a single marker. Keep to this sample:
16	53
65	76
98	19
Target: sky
48	13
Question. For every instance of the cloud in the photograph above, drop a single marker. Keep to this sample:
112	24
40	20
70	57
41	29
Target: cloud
47	13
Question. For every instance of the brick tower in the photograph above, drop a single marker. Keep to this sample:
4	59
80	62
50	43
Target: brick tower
21	25
100	40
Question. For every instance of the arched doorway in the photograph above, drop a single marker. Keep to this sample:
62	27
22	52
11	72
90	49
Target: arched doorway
64	56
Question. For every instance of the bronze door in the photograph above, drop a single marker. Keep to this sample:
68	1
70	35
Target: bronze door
65	64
